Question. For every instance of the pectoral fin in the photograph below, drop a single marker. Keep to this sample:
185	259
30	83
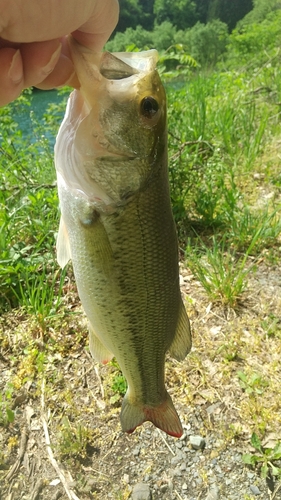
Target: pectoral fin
63	245
181	344
97	349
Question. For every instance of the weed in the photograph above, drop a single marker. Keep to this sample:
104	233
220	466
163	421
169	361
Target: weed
272	325
223	276
117	382
7	415
262	227
75	441
41	295
31	364
252	384
265	458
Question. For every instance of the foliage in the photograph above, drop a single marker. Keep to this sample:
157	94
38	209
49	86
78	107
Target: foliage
254	384
161	38
205	42
228	12
175	62
138	37
261	8
223	276
28	212
118	383
256	43
181	14
265	457
75	440
162	23
7	415
131	15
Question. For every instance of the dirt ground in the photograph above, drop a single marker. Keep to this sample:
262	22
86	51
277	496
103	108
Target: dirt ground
65	440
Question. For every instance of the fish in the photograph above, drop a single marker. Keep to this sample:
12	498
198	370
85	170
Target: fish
117	226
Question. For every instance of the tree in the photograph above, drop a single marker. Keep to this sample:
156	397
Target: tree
205	42
130	15
261	9
147	20
229	12
181	13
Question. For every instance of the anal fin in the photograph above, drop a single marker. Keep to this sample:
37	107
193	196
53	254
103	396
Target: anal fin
182	342
100	353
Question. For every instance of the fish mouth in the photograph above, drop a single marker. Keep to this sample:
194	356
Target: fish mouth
113	68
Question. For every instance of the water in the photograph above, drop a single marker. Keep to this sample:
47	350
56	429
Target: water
40	101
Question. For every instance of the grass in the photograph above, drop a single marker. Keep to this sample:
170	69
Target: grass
225	188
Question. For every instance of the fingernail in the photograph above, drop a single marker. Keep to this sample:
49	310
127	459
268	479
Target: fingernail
16	70
46	70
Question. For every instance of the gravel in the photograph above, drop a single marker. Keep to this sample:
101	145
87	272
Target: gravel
141	491
179	471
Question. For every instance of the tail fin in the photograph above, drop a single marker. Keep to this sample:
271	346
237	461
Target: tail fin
163	416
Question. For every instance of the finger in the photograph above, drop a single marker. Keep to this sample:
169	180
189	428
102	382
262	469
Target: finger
97	30
11	75
63	74
39	60
24	21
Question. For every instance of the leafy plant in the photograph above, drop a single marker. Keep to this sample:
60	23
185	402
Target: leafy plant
118	383
175	61
75	440
7	415
253	384
265	457
205	42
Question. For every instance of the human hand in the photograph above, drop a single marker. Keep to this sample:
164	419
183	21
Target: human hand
33	40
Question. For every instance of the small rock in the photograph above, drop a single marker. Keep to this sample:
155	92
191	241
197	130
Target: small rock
197	442
179	457
250	475
141	491
177	472
255	490
213	493
183	437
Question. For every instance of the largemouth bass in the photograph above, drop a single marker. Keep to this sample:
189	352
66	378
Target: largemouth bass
117	226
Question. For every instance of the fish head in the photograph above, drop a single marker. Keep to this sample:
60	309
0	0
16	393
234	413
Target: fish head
115	124
135	120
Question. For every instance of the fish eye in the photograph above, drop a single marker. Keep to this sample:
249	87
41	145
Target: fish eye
149	107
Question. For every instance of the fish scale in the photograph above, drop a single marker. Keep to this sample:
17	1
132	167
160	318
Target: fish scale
117	228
